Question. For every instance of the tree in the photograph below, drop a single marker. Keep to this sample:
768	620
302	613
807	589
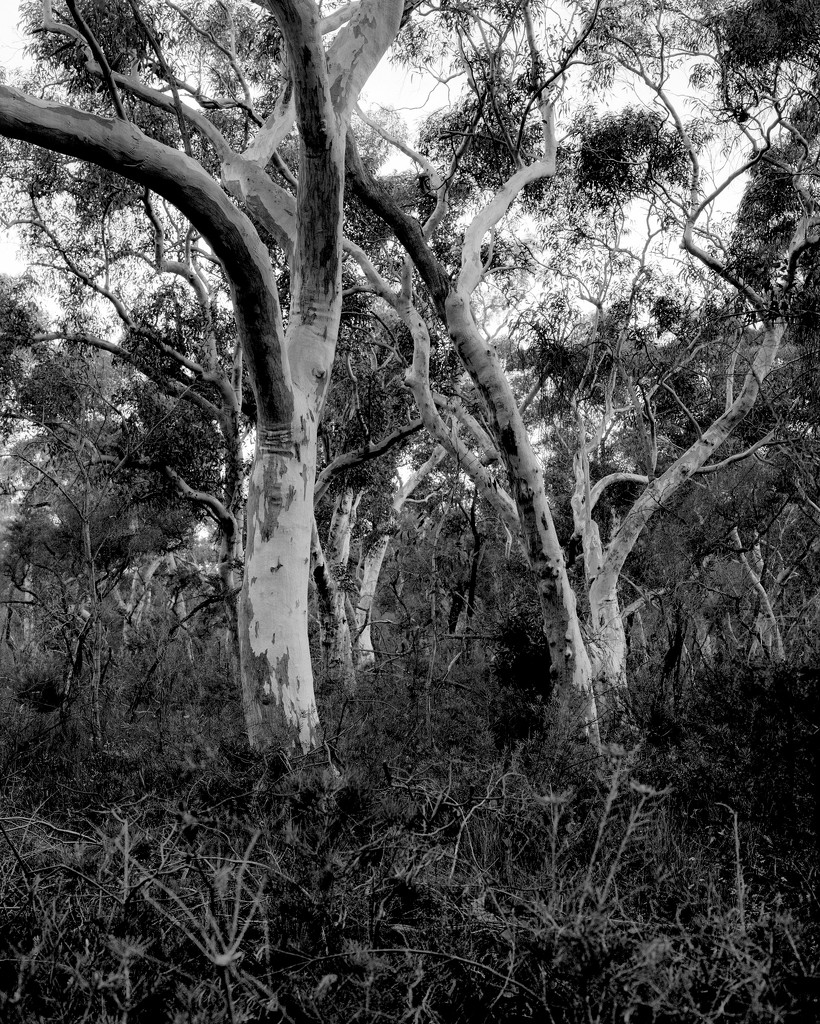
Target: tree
489	152
175	150
511	180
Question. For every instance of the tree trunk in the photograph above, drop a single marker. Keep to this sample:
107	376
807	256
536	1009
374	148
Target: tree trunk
277	677
607	641
570	667
333	622
608	644
27	608
373	560
134	616
341	528
767	630
289	371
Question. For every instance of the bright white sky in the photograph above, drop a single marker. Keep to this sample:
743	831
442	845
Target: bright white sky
11	53
11	42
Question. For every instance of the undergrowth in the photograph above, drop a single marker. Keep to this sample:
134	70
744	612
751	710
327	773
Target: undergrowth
411	870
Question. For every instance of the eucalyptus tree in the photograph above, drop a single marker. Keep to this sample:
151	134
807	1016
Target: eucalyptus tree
504	143
204	101
193	105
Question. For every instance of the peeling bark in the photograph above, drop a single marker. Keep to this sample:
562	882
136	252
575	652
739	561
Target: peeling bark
277	678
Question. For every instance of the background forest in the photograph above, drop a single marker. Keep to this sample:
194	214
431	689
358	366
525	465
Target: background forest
410	553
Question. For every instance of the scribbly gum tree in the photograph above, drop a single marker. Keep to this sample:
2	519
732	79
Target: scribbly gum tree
237	115
464	183
262	72
770	126
500	169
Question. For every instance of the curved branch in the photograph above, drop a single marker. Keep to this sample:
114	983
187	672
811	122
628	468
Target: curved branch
212	505
358	48
764	442
407	229
124	149
175	389
614	478
366	453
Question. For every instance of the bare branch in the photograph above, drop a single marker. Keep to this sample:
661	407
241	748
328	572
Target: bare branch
366	453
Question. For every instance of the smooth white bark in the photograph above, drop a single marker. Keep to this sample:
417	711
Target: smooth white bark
374	559
277	676
768	637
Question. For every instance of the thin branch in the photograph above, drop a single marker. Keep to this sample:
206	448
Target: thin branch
358	456
99	56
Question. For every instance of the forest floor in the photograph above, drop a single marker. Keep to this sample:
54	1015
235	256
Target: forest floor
419	867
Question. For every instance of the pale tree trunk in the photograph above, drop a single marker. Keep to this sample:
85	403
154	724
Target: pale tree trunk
27	608
334	627
371	571
328	573
277	674
608	646
607	634
341	528
277	677
767	630
528	512
570	667
5	637
374	559
179	608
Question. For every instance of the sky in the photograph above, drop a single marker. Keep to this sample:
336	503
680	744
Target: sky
11	42
11	53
